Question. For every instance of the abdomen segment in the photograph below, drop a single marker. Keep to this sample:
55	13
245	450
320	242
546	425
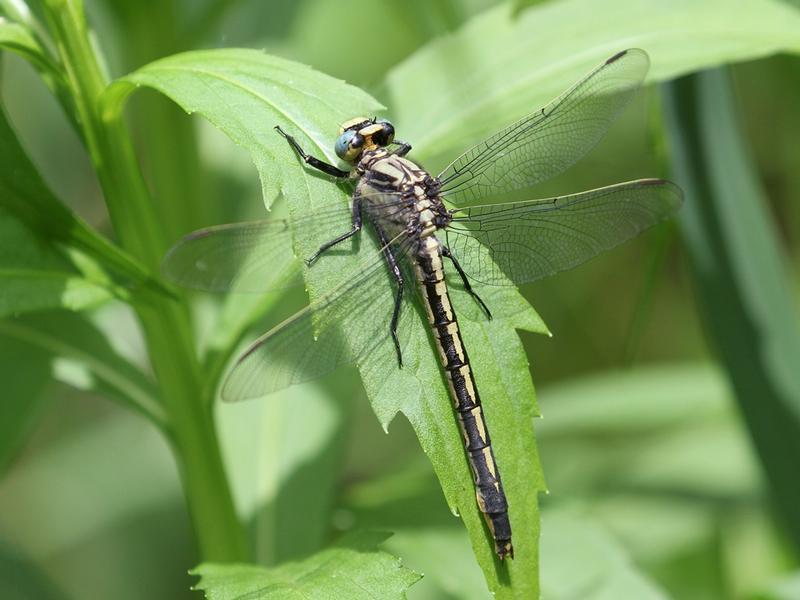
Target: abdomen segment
464	393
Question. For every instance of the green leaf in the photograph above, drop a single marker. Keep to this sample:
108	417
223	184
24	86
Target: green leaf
24	195
246	93
299	434
26	373
581	560
500	67
664	430
353	568
108	470
20	11
501	370
19	39
34	276
740	275
427	538
29	291
444	555
71	337
22	579
633	402
659	457
785	588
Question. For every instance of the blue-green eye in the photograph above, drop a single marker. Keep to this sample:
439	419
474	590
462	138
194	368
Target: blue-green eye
343	143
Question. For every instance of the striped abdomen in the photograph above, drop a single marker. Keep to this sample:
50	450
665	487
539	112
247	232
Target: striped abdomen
466	400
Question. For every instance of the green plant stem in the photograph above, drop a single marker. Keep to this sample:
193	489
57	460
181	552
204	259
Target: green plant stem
166	323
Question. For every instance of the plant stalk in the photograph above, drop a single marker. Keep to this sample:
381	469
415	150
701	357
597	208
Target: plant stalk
165	322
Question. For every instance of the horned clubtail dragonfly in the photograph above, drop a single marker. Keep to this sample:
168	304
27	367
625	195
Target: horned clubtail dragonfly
419	221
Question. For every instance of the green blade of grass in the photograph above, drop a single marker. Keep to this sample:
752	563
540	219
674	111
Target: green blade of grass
740	275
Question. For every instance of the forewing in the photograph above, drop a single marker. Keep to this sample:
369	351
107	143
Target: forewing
339	328
257	256
525	241
545	143
240	257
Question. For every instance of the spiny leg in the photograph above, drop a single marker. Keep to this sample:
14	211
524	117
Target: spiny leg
398	301
357	222
446	252
311	160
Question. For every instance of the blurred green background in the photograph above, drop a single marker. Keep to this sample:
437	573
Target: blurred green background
644	448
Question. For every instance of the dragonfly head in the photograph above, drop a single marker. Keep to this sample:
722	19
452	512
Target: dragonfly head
361	134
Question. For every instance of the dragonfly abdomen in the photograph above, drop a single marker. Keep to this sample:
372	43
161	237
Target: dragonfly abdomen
464	393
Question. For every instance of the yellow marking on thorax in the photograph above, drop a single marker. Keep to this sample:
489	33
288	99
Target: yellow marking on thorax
428	231
388	168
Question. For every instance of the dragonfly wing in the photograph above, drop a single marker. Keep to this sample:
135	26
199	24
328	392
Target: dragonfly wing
257	256
238	256
339	328
547	142
526	241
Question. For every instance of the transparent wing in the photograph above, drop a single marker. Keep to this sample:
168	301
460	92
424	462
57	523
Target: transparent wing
525	241
342	327
244	257
238	256
546	142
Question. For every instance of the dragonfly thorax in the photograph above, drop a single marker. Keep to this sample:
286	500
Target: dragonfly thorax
400	195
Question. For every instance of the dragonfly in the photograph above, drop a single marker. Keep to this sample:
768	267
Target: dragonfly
420	221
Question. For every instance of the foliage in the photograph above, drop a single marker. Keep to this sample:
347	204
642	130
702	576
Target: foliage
352	568
744	293
88	309
463	86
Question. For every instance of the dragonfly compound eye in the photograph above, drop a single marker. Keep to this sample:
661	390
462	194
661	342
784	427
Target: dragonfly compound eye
345	143
385	135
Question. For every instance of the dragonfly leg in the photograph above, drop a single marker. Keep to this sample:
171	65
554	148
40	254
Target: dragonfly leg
398	301
311	160
446	252
357	222
403	149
